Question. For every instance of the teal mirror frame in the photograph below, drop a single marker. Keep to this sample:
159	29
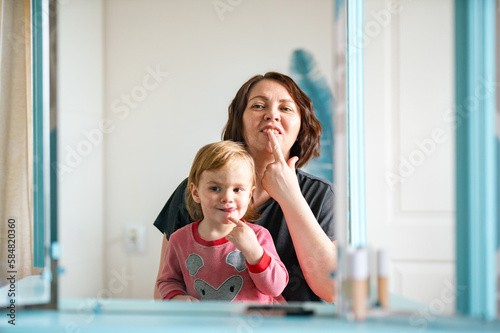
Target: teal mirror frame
476	161
38	132
46	247
355	150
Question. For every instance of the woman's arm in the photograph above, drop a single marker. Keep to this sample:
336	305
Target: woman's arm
156	293
173	216
170	282
316	253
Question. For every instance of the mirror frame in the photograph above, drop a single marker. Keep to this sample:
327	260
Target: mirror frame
355	150
476	161
46	246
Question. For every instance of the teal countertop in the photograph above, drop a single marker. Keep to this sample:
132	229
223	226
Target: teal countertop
111	316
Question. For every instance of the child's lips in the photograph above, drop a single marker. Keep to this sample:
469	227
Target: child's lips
228	210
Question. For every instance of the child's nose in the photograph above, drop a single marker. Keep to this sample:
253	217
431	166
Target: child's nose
227	196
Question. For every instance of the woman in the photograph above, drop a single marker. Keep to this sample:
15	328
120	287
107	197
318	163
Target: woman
275	120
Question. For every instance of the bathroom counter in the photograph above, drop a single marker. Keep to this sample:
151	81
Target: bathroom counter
148	316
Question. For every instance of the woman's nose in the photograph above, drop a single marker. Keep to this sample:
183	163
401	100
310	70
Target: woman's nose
272	114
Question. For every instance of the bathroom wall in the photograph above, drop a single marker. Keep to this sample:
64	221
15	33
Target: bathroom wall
80	147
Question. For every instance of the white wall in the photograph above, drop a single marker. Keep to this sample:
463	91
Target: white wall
81	169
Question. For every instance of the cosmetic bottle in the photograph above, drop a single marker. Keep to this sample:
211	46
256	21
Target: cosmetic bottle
344	302
382	278
359	282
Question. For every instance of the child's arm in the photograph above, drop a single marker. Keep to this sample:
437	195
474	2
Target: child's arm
266	269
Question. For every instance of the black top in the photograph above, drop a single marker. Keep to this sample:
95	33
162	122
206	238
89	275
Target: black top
318	193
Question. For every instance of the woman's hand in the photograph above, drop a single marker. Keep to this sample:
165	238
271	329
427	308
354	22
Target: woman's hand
245	240
316	253
185	298
279	179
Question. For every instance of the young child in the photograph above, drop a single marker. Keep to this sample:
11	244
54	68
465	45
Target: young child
222	257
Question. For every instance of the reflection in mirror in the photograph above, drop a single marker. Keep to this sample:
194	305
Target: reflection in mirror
143	85
148	83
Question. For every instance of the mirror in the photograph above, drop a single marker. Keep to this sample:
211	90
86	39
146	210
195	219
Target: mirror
142	86
133	75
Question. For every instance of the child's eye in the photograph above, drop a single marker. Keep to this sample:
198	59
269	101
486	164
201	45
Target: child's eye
238	190
214	188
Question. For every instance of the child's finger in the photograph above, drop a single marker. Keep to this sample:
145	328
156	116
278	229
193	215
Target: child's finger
238	223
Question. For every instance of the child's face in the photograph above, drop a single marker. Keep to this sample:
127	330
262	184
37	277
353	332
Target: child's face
224	193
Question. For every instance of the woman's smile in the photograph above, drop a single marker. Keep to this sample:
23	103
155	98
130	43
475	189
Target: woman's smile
271	129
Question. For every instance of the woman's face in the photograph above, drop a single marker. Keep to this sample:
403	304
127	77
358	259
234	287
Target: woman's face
270	108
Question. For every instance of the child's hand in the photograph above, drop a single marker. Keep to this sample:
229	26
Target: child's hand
185	298
245	240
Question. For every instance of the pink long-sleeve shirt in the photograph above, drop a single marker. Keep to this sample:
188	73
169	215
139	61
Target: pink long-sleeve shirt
217	270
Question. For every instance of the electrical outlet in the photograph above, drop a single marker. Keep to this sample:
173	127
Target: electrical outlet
135	238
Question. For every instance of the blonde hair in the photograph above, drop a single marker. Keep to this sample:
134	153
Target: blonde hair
213	157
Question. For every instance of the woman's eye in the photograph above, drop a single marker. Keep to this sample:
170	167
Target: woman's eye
286	108
257	106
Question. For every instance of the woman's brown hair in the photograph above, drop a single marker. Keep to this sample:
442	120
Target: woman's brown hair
213	157
307	145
